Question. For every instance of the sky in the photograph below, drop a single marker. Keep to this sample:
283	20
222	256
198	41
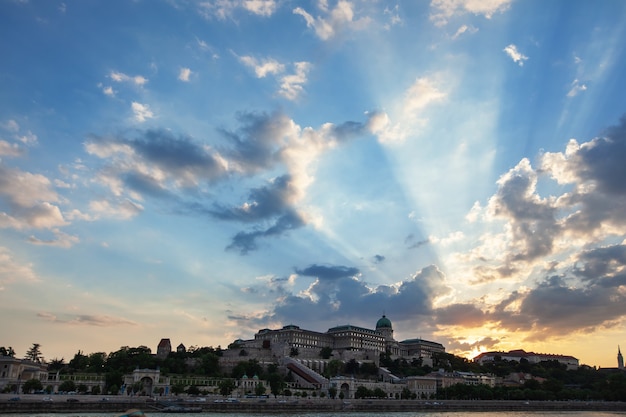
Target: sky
200	170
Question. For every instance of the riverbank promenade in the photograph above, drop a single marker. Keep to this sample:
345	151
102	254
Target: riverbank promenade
87	403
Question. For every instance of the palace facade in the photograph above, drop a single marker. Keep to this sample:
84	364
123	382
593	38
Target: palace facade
345	340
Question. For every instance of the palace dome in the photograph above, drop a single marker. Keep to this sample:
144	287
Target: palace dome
383	322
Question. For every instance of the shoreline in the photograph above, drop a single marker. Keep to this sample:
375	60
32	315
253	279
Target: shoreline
319	406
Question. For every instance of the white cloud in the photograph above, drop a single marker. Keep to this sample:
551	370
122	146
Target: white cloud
123	210
108	91
141	112
184	74
515	55
10	125
61	240
264	8
291	86
29	138
9	149
394	16
24	189
12	270
335	21
223	9
576	87
119	77
417	99
264	67
443	10
464	29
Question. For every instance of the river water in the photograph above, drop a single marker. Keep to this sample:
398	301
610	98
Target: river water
354	414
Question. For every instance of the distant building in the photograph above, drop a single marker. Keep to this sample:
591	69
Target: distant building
164	348
620	359
181	348
14	372
519	354
341	339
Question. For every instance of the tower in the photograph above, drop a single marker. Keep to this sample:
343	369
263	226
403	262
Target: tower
620	359
383	325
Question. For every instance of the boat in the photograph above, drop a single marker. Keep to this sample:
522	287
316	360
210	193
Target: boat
180	409
133	412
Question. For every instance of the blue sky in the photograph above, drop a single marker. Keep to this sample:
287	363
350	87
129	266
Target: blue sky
199	170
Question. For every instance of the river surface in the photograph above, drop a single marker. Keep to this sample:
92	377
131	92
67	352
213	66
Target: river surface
354	414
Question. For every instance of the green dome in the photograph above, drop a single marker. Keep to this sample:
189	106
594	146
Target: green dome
383	322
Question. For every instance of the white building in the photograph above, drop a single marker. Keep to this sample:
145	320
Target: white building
519	354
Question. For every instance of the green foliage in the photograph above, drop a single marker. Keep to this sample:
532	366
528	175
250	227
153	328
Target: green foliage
56	365
178	389
8	351
34	353
113	380
249	368
32	385
326	352
127	359
95	390
226	387
332	392
277	383
67	386
193	390
259	389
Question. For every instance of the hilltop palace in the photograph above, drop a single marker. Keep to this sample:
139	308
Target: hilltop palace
347	342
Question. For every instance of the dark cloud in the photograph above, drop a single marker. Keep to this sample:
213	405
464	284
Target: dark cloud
378	259
485	344
556	308
413	244
324	272
467	315
176	154
342	298
532	219
597	171
602	160
263	202
256	145
599	263
146	185
245	242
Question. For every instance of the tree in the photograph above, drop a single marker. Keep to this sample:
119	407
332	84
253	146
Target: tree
7	351
326	352
193	390
56	364
79	363
332	392
32	385
294	352
34	353
259	389
95	390
226	387
362	392
352	367
277	384
67	386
